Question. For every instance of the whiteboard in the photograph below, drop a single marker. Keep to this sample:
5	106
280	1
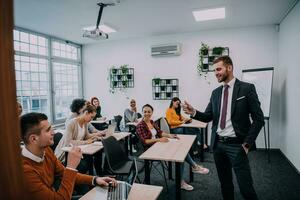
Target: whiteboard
262	78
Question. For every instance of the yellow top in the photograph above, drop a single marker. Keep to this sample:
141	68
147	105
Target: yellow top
173	119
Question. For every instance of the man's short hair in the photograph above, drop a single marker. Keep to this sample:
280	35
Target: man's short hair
30	124
226	60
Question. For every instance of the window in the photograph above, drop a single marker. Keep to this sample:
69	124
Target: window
46	66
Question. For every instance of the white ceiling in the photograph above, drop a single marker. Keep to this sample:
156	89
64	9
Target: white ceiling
141	18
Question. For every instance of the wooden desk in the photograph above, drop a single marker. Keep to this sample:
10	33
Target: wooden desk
137	192
90	149
174	151
202	126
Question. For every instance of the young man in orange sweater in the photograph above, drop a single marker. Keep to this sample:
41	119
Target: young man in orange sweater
42	168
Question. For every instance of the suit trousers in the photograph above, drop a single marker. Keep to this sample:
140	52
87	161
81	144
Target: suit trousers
233	156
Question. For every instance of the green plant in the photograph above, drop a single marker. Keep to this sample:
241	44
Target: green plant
124	69
203	51
156	81
125	83
217	50
113	70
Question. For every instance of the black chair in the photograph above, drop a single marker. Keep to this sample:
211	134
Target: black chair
118	119
139	115
118	163
56	138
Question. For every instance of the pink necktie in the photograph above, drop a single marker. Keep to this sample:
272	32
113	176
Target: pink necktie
224	108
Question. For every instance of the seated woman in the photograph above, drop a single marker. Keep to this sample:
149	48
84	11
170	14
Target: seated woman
131	114
175	119
150	134
76	133
95	102
76	108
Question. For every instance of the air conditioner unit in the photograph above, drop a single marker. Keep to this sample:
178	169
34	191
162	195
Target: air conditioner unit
166	50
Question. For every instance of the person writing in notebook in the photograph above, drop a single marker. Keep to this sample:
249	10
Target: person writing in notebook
233	132
150	133
42	169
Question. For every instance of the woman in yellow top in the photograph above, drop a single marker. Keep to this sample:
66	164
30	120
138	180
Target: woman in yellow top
174	117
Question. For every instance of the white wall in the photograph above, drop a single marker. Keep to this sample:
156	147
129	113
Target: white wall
249	48
289	43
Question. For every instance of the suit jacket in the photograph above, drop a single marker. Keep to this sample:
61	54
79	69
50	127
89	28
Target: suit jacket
245	104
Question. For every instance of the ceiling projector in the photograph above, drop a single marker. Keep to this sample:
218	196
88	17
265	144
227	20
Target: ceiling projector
95	34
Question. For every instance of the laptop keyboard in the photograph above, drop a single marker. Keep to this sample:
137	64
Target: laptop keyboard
120	192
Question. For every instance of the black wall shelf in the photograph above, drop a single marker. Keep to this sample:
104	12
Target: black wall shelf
165	89
209	58
122	78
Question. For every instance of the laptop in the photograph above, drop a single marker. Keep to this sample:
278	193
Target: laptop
121	191
110	130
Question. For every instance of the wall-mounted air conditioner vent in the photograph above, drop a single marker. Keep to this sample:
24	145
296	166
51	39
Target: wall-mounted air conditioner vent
166	50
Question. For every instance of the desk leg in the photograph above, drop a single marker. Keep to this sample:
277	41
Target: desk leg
170	170
178	180
201	145
147	172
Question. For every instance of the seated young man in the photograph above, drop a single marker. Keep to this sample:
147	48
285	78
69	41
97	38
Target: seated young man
42	168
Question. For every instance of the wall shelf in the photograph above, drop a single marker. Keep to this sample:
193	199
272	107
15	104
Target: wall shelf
210	56
122	78
165	89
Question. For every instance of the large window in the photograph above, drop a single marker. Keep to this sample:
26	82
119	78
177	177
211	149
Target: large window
47	73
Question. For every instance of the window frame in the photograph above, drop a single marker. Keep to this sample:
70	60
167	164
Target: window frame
51	59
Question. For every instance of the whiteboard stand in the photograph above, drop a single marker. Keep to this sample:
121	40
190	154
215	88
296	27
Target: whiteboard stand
267	137
262	78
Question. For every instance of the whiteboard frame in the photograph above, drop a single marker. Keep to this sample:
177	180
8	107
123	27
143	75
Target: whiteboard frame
263	69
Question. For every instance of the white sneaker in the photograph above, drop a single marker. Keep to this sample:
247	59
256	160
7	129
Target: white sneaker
187	187
200	169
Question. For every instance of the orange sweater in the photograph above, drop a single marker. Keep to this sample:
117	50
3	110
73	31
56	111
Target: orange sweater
173	119
39	178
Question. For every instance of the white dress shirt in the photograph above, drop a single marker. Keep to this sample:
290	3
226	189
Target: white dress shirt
228	131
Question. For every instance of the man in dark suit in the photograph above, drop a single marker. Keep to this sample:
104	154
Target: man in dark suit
233	134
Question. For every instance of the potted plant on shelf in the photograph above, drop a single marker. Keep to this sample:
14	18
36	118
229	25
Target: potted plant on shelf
203	53
113	70
204	49
217	50
124	69
156	81
125	84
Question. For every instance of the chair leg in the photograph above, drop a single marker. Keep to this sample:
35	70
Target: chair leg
163	169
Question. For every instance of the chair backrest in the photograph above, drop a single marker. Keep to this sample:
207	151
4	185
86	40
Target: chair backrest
114	153
139	115
118	119
56	138
164	126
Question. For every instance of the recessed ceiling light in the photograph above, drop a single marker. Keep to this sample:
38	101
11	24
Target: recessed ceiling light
209	14
103	27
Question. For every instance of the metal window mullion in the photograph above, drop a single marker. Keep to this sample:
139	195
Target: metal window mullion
51	84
